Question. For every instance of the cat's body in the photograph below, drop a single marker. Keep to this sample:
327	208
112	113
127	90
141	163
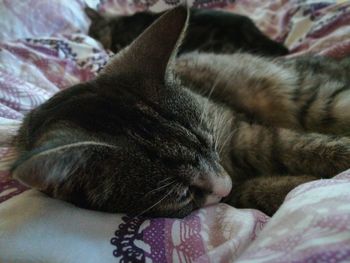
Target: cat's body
284	122
162	136
208	31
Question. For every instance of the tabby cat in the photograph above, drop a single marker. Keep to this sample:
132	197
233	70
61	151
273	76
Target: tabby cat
208	31
161	136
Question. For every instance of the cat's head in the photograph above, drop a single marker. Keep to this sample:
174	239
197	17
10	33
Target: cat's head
116	32
133	140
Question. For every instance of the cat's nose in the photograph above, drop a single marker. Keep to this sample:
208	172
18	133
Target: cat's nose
221	183
218	185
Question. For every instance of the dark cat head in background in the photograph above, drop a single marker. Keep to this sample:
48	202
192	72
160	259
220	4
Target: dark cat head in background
208	31
132	140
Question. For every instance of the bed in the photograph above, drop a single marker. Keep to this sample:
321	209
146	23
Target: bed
44	48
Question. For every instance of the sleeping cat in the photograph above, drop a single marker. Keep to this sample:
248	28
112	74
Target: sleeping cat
208	31
157	135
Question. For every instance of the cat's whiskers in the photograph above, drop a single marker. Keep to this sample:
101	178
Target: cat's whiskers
229	137
225	126
216	114
158	202
216	129
164	180
160	187
220	125
217	125
207	103
221	121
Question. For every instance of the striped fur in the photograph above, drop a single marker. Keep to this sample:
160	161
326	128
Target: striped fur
159	135
291	118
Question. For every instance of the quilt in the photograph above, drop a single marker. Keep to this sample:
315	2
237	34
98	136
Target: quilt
44	48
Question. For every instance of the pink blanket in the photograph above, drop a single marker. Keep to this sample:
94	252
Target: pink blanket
44	48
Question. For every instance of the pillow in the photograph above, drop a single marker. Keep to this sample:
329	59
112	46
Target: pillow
41	18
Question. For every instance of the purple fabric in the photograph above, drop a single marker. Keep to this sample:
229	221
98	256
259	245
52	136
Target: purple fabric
45	50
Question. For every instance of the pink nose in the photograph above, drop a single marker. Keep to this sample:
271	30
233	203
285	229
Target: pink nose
220	184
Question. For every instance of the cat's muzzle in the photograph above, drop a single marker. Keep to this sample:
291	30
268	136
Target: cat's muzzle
217	185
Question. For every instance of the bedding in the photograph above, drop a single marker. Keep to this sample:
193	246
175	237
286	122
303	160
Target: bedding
44	48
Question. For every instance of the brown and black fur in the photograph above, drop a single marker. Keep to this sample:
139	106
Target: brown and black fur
207	31
152	133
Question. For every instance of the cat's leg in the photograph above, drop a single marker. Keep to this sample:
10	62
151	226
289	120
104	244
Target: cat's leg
311	94
254	150
265	193
250	85
322	93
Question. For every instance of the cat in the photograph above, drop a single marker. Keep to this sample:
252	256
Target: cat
158	135
208	31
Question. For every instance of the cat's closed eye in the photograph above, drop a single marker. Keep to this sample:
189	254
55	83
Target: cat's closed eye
161	135
135	142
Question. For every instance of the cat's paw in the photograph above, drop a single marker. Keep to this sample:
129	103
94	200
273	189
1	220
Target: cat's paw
265	193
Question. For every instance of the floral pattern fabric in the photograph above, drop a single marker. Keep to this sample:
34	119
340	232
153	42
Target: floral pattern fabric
44	48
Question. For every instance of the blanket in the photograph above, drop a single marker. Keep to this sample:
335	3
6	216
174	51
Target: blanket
44	48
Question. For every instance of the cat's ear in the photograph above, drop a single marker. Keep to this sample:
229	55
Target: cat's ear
99	28
43	168
150	54
93	14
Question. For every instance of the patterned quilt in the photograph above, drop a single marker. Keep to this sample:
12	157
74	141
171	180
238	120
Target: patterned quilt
44	48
